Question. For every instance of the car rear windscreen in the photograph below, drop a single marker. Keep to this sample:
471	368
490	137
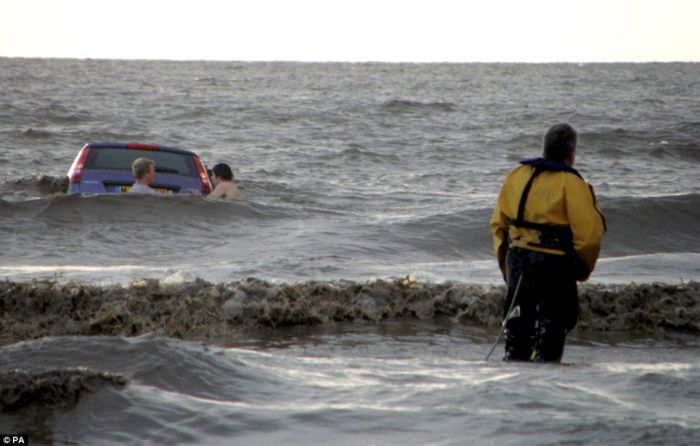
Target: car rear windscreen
120	159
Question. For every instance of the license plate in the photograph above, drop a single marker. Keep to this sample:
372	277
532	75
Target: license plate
126	189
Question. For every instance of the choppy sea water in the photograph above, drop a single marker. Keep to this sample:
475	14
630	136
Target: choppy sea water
355	172
366	385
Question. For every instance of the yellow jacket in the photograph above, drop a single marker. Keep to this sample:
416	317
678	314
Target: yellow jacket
557	197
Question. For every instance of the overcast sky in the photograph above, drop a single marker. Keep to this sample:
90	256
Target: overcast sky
354	30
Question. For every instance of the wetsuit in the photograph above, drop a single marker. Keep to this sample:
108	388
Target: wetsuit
547	228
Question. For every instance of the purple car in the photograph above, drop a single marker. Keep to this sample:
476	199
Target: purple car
105	168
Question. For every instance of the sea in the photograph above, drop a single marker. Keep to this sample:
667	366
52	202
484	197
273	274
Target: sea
352	296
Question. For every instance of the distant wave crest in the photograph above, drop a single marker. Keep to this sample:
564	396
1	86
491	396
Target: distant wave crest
401	105
37	133
41	185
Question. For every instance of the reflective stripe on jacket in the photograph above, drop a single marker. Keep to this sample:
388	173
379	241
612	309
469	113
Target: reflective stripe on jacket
558	198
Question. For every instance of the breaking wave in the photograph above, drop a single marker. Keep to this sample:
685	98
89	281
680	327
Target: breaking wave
200	310
52	389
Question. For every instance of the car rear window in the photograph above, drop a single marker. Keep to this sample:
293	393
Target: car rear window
120	159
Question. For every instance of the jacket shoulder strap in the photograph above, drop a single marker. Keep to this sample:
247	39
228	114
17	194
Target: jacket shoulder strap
523	197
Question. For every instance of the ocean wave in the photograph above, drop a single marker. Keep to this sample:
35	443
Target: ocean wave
57	113
403	105
210	81
43	185
52	389
37	133
610	142
67	135
355	154
201	310
140	208
678	140
643	225
203	370
460	234
687	127
134	131
651	224
192	113
684	152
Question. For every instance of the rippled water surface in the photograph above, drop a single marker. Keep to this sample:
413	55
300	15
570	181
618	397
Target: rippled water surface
401	383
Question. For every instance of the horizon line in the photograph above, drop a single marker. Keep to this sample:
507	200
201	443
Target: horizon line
368	61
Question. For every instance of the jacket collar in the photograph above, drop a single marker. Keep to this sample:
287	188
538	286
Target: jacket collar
551	165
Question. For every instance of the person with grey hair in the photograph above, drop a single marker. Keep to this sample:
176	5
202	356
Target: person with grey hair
144	170
547	229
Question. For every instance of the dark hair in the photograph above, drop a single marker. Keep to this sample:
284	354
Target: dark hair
223	170
559	142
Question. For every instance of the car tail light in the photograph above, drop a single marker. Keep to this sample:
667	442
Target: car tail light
203	176
76	169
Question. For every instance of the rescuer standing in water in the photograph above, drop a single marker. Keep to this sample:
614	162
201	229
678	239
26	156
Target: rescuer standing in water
547	228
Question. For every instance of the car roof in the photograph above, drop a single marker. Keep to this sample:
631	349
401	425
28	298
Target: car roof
119	145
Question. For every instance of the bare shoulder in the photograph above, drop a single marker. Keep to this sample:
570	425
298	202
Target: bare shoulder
226	189
232	191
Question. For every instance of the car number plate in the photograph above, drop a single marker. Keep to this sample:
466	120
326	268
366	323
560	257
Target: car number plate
126	189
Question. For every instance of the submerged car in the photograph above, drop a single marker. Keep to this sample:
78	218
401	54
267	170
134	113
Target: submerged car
105	168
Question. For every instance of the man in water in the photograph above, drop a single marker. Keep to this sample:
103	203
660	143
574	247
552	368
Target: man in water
547	228
224	187
144	170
